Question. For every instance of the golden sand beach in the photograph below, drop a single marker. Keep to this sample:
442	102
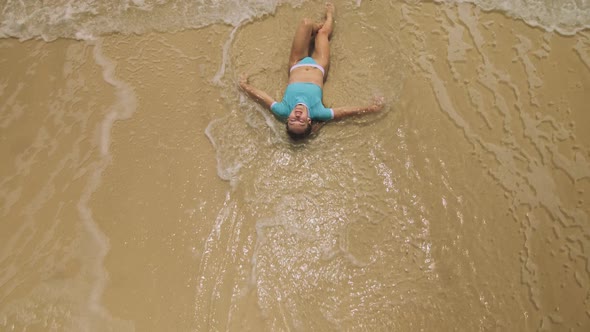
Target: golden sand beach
141	190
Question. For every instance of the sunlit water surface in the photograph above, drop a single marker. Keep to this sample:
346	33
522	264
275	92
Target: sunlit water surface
142	190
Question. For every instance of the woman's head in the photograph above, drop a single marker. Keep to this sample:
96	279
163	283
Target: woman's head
299	122
297	134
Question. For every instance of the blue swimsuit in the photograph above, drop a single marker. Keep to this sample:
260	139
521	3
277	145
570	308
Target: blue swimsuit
305	93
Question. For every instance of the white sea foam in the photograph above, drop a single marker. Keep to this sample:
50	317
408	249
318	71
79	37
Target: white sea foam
82	19
566	17
126	100
87	19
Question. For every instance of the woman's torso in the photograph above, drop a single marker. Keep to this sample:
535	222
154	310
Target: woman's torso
307	74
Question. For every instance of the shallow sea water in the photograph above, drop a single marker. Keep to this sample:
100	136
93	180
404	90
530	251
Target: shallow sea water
141	190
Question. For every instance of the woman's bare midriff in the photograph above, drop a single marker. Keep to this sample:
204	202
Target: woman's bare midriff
307	74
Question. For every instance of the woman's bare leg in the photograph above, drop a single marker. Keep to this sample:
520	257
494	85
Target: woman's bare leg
321	52
301	41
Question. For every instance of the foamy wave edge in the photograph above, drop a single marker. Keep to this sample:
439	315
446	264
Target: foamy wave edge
561	16
88	20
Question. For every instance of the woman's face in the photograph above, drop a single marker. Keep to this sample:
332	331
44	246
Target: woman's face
299	119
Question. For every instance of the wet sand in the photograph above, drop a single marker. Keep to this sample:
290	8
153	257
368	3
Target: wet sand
162	189
114	216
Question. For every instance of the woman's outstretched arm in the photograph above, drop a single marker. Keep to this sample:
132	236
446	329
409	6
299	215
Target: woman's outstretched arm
343	112
256	94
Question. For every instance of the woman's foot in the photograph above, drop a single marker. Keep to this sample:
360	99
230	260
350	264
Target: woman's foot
330	9
327	26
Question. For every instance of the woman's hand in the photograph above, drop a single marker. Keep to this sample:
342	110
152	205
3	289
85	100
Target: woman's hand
256	94
243	81
378	104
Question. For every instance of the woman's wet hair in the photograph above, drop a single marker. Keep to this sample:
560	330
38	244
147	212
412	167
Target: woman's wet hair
299	136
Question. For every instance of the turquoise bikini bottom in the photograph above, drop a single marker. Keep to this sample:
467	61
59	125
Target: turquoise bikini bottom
308	62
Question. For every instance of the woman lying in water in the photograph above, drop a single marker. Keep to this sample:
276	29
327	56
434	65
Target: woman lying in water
302	102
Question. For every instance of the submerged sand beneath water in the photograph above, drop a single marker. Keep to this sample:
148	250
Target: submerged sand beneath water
469	208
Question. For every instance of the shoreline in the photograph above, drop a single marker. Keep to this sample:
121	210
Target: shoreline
477	96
